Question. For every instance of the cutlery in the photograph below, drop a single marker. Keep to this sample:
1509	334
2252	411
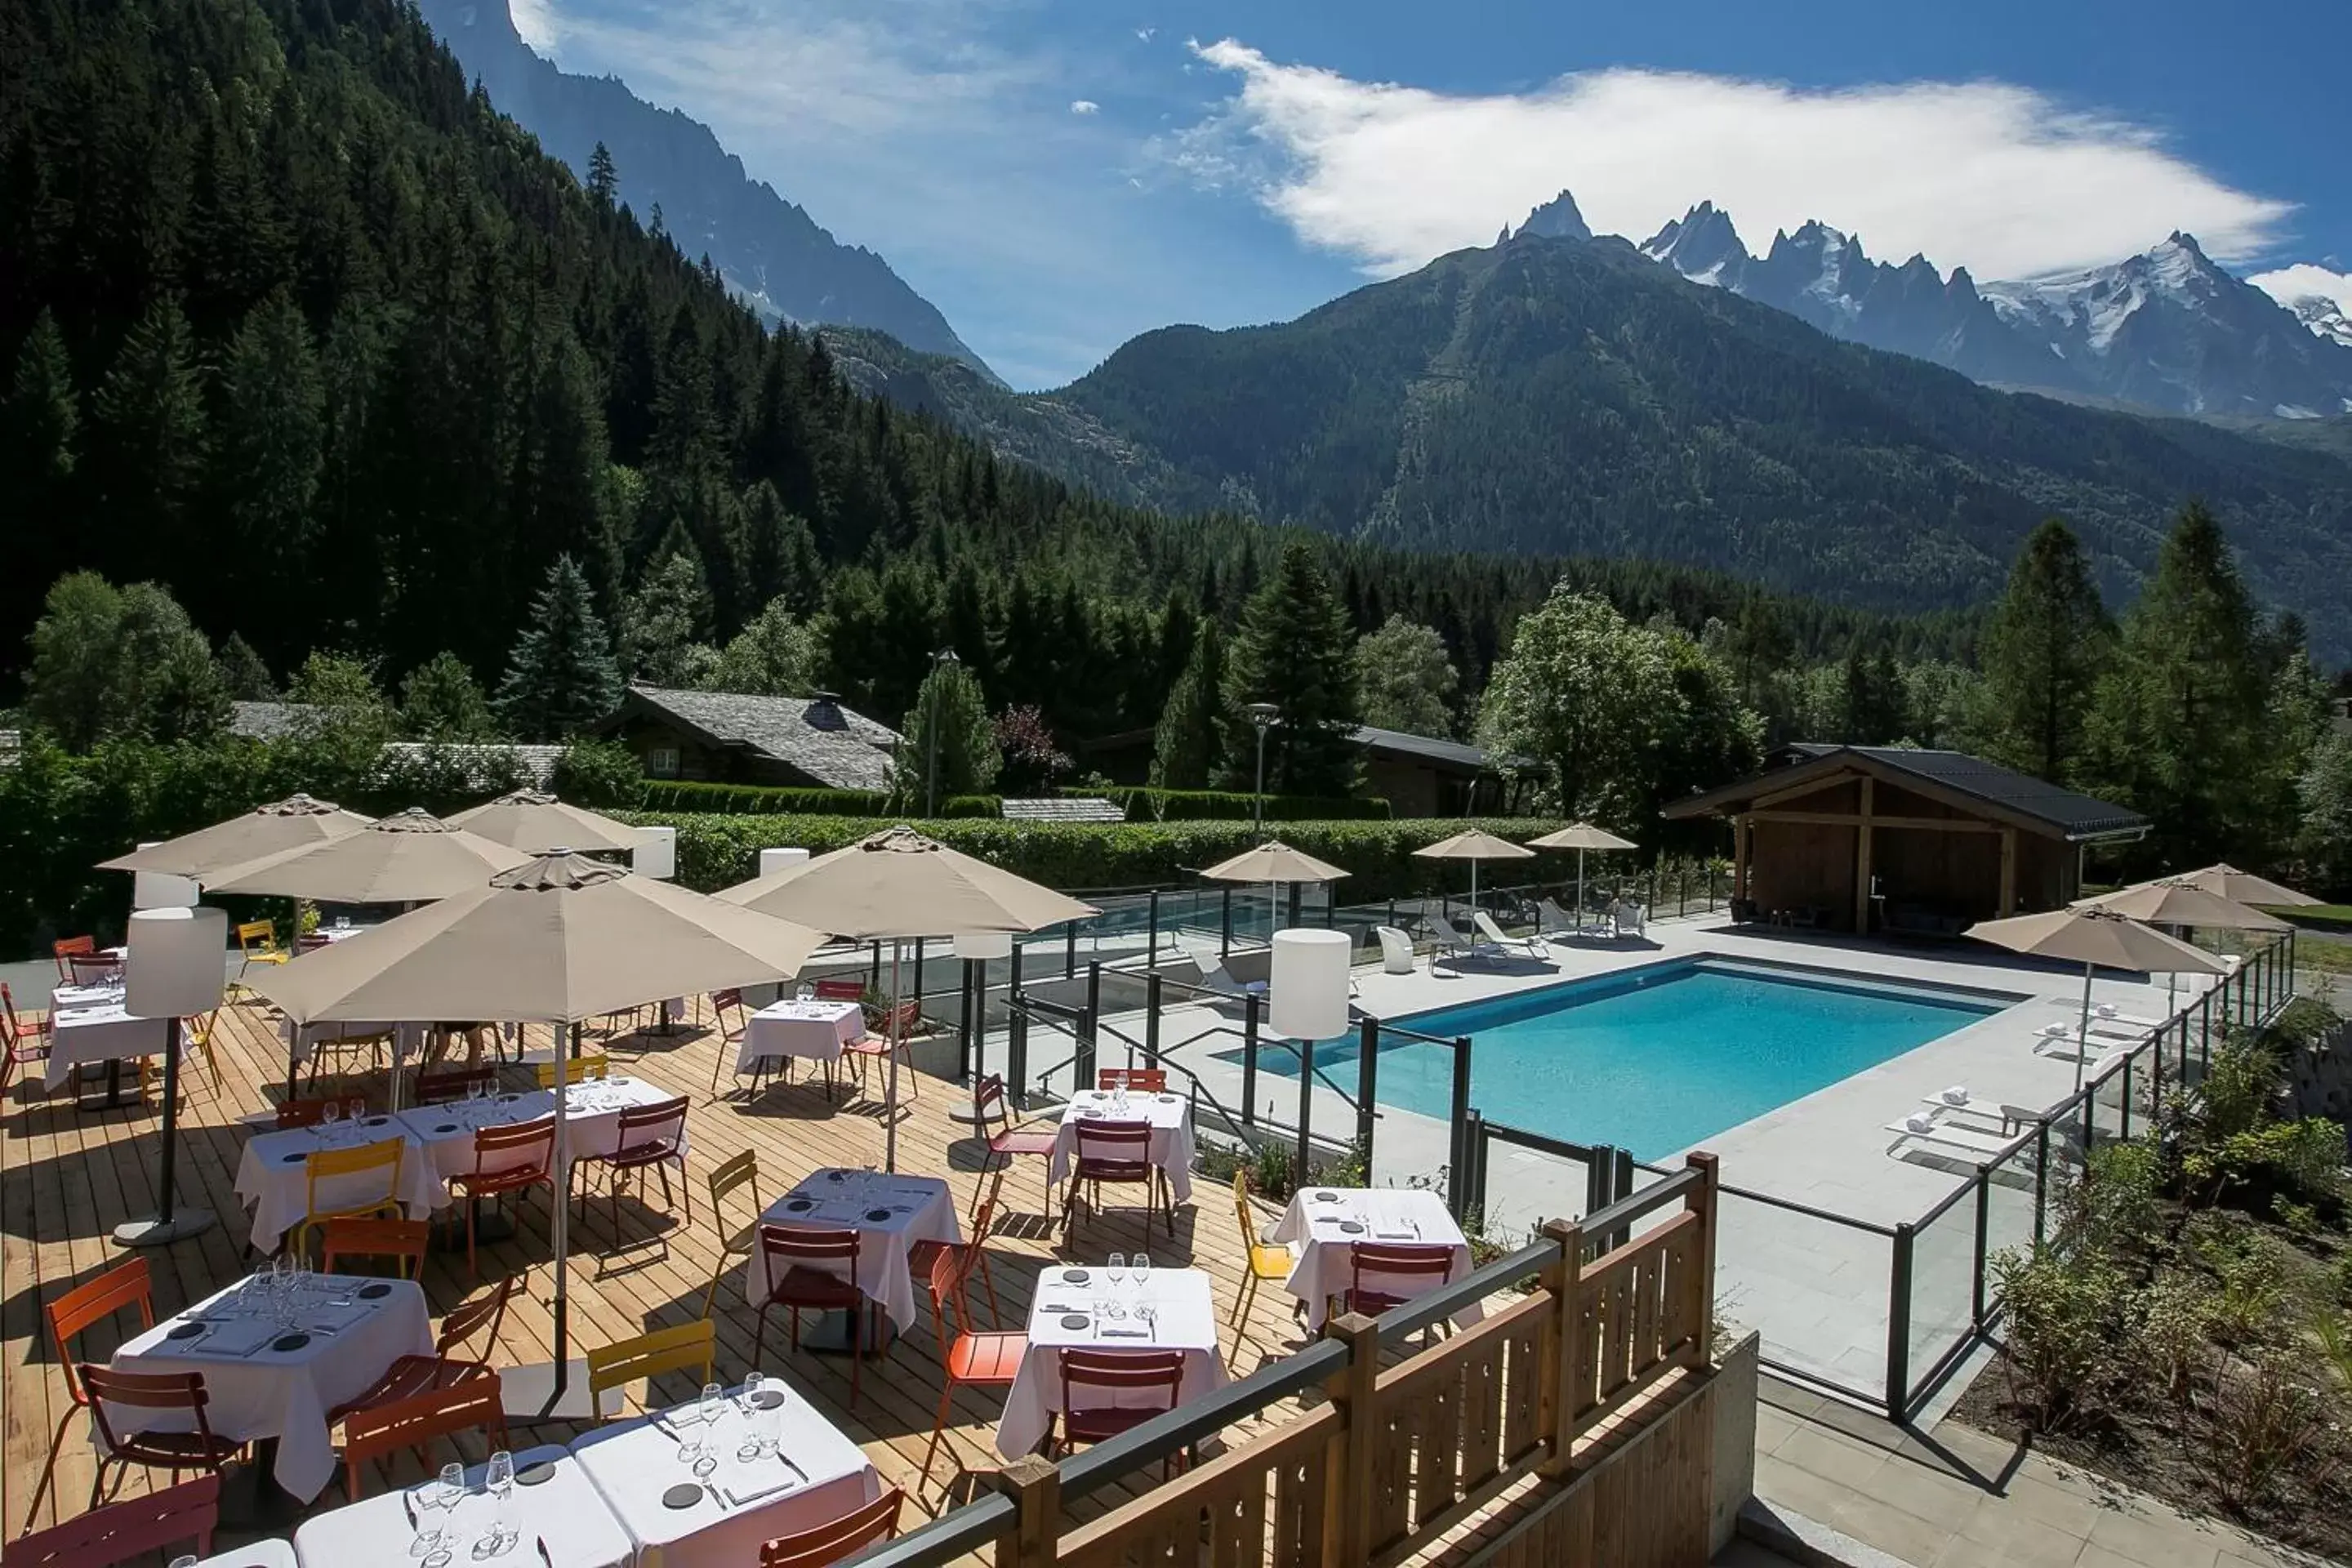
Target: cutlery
408	1505
545	1561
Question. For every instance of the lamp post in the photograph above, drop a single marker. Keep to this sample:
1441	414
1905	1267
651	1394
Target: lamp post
1263	715
945	656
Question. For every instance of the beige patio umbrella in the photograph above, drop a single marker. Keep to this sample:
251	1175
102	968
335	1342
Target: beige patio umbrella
554	940
1580	836
537	823
899	884
411	857
271	829
1273	863
2095	939
1474	846
2173	902
2244	887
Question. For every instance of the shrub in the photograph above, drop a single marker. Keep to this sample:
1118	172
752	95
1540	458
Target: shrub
602	775
2111	1207
1270	1171
2066	1316
2250	1273
2260	1421
1147	804
666	795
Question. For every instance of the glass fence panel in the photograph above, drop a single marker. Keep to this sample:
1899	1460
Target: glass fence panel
1815	1290
1943	1286
1524	1187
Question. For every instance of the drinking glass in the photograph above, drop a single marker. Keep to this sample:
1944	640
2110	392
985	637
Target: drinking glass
807	992
1139	1269
749	1447
330	1112
184	1562
714	1404
497	1479
1117	1267
422	1505
451	1492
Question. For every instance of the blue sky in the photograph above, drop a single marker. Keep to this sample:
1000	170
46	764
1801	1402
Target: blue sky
1059	177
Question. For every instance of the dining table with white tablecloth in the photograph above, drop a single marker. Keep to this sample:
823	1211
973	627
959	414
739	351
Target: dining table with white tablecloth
269	1552
1323	1223
553	1505
815	1473
1082	1308
273	1176
591	1121
89	1026
274	1369
1170	1117
813	1030
890	1214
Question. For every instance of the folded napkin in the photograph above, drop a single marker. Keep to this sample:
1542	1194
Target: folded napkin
1919	1122
228	1337
740	1482
2105	1009
332	1316
1956	1095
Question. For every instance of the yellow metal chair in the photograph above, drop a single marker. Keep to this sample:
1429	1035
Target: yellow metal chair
195	1038
388	1155
1265	1262
625	1362
578	1069
743	1171
257	941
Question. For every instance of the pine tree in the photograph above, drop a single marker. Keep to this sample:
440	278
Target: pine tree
243	674
669	618
950	705
1186	747
272	435
2049	639
603	184
150	417
562	679
1295	651
441	700
39	430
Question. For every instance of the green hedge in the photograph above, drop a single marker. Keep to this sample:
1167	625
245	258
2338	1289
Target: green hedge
1143	805
769	800
716	850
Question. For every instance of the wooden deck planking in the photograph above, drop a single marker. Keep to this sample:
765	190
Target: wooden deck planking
71	1178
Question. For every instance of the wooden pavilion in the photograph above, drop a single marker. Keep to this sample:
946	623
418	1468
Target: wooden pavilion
1885	838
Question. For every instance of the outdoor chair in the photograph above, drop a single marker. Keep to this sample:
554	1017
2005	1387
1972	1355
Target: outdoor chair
1210	961
1632	919
412	1375
1396	951
21	1044
454	1084
181	1392
196	1036
1008	1143
649	1355
650	1137
1446	942
1135	1081
342	1049
610	1023
1131	1388
86	1305
1398	1273
836	1539
840	988
382	1431
309	1111
311	941
388	1156
1118	1153
1500	940
1551	920
64	949
967	1359
576	1069
801	1277
877	1045
741	1171
350	1236
93	969
727	1012
1265	1262
925	1254
1940	1133
509	1158
136	1529
256	942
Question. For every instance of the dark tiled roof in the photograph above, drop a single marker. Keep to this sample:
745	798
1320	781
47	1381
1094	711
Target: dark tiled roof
837	747
2070	813
1428	748
268	721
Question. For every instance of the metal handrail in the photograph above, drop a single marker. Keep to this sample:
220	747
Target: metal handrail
944	1539
1187	1424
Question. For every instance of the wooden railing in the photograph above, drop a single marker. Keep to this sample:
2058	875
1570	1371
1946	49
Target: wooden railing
1395	1458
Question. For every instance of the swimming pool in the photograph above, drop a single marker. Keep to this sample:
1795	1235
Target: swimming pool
1655	1058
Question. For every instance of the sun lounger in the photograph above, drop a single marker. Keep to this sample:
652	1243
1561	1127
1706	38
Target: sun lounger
1940	1133
1500	940
1551	920
1215	975
1444	939
1396	951
2105	1013
2010	1117
1632	919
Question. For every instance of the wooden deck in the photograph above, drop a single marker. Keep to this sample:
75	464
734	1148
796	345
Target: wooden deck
68	1178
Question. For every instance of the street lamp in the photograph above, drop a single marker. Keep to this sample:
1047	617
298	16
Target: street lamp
1263	715
945	656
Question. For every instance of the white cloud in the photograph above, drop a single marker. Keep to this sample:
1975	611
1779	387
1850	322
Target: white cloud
1085	106
1998	178
2288	284
1145	33
535	21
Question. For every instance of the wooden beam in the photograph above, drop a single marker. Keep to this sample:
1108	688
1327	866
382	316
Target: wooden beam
1854	819
1798	792
1863	827
2008	871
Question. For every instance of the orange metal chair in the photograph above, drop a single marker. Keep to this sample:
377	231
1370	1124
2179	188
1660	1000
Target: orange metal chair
64	949
1157	1375
1135	1081
837	1539
797	1280
1008	1142
382	1431
1392	1264
86	1305
21	1044
887	1036
136	1529
196	1450
924	1254
507	1158
1118	1153
412	1375
967	1359
401	1240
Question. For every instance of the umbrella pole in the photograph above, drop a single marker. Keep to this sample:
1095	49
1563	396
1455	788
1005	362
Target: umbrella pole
561	1231
890	1100
166	1225
1580	890
2083	1040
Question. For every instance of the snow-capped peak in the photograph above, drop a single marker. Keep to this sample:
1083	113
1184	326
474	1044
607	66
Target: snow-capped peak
1702	246
2325	317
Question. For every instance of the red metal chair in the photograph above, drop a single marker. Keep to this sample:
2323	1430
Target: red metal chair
1118	1153
173	1451
381	1431
840	988
21	1044
84	1307
649	1136
412	1375
1136	1080
119	1532
885	1037
1008	1142
1133	1386
507	1158
93	969
924	1254
727	1012
354	1235
64	948
455	1084
800	1280
837	1539
1401	1273
967	1359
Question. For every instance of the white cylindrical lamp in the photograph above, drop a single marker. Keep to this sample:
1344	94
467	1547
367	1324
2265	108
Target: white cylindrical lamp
984	946
656	855
174	966
162	891
774	860
1306	995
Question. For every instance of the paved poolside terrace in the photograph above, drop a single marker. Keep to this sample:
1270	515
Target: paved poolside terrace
1817	1291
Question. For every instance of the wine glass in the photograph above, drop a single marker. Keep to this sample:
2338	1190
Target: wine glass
750	1448
1139	1269
1117	1267
497	1479
451	1492
714	1402
330	1113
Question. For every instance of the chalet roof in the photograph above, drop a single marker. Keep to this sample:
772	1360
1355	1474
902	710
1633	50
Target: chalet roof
1969	783
817	735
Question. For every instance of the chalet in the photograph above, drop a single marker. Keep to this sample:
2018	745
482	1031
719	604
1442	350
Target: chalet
732	737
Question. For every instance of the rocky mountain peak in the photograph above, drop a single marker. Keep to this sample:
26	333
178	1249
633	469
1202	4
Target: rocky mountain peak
1556	219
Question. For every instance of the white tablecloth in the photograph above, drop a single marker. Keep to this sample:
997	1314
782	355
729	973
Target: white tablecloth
1316	1222
919	1208
565	1510
1185	1319
89	1026
284	1395
407	1039
1170	1116
633	1463
592	1122
272	1552
273	1175
814	1029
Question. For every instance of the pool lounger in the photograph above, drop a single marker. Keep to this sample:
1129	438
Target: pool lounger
1501	939
1938	1133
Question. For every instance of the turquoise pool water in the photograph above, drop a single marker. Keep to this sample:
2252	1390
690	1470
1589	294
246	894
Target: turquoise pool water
1651	1059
